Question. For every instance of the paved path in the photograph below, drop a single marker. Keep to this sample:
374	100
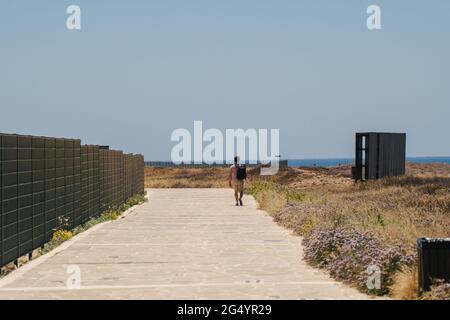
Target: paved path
182	244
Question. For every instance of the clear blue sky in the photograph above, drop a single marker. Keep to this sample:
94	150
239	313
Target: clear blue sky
140	69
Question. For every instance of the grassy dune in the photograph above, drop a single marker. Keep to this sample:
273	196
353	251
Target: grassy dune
347	226
186	178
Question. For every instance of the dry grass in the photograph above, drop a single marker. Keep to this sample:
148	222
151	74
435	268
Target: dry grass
186	178
405	285
190	178
396	210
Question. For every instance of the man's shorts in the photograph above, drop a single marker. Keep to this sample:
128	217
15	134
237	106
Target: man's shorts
238	185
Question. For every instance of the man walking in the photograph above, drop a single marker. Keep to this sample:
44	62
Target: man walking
237	176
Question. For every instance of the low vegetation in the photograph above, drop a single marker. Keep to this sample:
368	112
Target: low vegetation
186	178
61	235
349	227
353	256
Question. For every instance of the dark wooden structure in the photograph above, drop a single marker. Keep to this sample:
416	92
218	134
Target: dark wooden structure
379	155
434	261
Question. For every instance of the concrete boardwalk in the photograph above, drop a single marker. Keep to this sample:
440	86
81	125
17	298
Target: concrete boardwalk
182	244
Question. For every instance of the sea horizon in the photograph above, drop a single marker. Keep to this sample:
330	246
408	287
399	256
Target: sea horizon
332	162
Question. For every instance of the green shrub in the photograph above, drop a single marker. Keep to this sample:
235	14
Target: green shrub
272	197
62	235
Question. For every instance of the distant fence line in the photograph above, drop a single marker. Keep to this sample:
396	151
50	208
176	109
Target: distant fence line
170	164
52	183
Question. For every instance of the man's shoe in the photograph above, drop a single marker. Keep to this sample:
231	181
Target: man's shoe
237	204
240	201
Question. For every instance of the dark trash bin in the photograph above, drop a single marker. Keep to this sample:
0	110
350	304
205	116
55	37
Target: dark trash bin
434	261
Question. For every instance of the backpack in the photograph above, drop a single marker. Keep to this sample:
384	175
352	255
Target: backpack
241	173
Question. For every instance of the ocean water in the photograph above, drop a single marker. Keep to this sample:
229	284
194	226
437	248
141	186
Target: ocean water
318	162
337	162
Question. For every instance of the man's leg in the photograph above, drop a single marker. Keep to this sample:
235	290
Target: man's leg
236	192
241	192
